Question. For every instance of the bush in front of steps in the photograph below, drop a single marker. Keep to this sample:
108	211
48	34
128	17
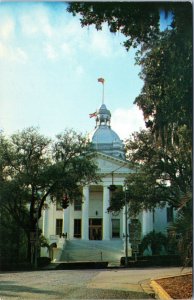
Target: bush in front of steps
153	260
81	265
43	261
21	266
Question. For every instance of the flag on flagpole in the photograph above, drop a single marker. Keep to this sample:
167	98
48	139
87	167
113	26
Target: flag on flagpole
93	114
101	80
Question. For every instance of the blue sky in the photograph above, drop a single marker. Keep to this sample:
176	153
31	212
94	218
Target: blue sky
49	70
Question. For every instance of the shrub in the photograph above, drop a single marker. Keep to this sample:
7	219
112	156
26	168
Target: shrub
156	240
43	261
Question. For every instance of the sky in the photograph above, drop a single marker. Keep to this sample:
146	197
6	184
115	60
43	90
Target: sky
49	66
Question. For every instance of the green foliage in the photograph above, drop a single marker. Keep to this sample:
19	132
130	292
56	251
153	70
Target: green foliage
13	242
183	229
145	193
117	201
156	240
138	21
163	154
43	261
166	97
165	57
163	174
43	242
33	167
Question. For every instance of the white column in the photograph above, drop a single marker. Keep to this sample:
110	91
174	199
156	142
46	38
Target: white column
71	222
123	215
106	215
45	231
50	220
85	209
45	222
66	218
147	222
126	233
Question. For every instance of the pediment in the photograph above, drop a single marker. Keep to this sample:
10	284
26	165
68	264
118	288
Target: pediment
108	164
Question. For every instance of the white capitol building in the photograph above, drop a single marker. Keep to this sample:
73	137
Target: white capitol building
85	231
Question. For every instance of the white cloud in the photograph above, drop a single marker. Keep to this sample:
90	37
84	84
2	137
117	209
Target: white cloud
13	54
36	22
20	55
28	26
79	70
3	50
46	26
125	122
71	30
7	28
67	49
50	52
100	44
67	36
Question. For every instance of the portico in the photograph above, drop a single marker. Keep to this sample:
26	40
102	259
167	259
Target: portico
91	233
93	220
85	231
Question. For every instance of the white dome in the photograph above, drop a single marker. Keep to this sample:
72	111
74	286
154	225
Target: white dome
104	134
103	138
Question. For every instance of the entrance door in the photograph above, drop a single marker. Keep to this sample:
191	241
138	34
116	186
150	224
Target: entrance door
95	229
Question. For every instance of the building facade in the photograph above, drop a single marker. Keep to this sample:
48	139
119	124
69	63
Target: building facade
85	231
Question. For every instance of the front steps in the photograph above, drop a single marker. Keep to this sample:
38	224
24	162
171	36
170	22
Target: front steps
90	251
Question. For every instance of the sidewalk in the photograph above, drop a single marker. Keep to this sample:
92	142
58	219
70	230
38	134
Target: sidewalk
82	284
137	280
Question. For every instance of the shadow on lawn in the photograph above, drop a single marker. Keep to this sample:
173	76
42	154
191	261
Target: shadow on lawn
10	289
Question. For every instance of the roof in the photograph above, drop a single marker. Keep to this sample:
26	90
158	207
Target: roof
103	138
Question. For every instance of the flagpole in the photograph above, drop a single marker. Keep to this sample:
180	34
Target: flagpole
101	80
103	93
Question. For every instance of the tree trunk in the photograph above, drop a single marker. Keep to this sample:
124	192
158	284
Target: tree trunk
28	248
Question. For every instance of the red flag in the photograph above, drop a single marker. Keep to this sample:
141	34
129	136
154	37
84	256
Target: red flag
101	80
93	114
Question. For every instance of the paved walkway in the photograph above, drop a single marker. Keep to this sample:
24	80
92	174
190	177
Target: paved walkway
81	284
132	279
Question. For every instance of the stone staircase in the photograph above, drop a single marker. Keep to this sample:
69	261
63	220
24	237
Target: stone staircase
92	250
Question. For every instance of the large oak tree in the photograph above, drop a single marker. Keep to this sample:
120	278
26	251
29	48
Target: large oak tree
33	167
163	153
165	58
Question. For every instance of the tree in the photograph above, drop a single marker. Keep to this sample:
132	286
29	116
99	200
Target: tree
143	193
13	242
166	97
162	175
139	22
172	163
156	240
182	229
33	167
165	57
163	153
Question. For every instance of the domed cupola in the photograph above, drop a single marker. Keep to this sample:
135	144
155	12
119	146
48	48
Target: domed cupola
103	116
103	138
